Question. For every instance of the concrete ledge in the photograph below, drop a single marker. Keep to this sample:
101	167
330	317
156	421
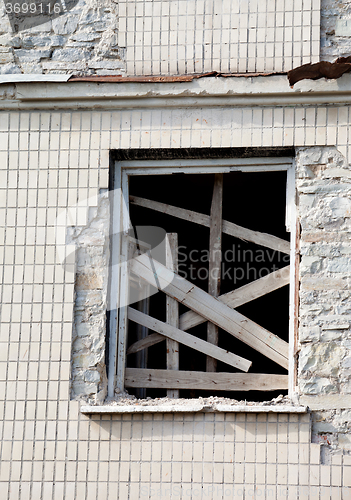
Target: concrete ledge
192	408
142	409
205	92
262	409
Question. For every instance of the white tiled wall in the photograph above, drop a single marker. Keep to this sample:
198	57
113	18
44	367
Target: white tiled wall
177	456
49	161
171	37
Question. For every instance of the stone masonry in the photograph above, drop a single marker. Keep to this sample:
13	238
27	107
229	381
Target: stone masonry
85	41
88	341
335	29
324	188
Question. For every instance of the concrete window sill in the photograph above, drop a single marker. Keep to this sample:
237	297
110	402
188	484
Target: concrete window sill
192	408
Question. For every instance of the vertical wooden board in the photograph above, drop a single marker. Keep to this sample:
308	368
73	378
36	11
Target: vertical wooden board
142	333
172	309
214	271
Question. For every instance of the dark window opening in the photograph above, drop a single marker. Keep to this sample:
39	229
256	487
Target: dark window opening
253	200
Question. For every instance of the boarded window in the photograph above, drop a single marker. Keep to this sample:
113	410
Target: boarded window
212	241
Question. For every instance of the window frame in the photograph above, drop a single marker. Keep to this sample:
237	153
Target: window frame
120	225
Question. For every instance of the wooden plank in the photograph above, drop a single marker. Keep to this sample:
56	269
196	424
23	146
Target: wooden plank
164	379
151	339
142	333
172	309
215	260
242	295
263	239
189	340
235	298
212	309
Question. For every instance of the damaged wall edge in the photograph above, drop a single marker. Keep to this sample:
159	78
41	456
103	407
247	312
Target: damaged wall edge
206	92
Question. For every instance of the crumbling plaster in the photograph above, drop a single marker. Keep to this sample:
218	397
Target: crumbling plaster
84	41
333	44
324	359
91	242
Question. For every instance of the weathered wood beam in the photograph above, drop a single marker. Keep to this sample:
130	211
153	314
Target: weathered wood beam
263	239
151	339
189	340
233	299
242	295
172	310
142	333
215	260
212	309
165	379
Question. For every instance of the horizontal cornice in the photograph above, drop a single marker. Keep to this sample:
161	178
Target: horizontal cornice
198	93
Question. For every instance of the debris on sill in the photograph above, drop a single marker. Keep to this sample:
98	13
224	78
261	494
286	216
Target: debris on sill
206	402
130	404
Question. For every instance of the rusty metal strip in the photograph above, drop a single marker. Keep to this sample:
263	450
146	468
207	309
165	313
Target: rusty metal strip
322	69
137	79
161	79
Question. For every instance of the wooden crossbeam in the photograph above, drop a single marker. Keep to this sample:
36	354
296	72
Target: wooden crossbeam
263	239
235	298
139	345
189	340
166	379
212	309
242	295
215	260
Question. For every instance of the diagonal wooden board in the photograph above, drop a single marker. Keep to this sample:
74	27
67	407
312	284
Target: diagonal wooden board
165	379
189	340
212	309
264	239
241	295
139	345
233	299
